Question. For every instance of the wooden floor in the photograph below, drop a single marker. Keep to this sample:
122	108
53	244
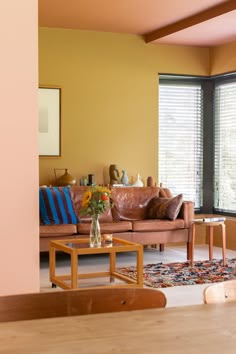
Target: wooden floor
176	296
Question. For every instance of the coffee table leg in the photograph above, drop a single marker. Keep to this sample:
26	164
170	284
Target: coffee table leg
112	265
52	262
74	270
139	264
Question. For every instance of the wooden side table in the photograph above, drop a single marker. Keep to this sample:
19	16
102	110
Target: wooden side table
210	225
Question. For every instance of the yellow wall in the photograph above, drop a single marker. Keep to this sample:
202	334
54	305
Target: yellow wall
223	59
109	98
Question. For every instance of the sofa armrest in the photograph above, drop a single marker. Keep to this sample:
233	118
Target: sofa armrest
187	213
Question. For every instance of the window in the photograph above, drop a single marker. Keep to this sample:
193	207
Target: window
225	146
181	137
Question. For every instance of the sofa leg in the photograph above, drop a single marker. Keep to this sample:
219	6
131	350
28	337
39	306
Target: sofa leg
161	247
189	251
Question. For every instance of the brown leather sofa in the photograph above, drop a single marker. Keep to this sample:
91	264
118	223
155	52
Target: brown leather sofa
127	219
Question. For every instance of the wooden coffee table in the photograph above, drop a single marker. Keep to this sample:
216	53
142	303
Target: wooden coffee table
77	247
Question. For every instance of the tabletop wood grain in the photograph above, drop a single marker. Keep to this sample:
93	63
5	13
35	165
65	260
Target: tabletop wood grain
189	329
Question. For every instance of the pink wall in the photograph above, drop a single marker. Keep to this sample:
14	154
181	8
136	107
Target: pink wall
19	245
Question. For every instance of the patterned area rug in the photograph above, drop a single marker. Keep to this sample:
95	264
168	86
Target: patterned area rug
161	275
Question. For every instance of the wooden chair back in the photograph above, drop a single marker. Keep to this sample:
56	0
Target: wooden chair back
220	292
78	302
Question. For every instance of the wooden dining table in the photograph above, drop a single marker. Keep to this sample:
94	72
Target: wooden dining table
186	330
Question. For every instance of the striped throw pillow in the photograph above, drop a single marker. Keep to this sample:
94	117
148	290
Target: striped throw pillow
56	206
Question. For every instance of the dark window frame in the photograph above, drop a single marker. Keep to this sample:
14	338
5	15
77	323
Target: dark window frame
222	79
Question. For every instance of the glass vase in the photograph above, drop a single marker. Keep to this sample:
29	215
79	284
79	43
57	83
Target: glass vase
95	232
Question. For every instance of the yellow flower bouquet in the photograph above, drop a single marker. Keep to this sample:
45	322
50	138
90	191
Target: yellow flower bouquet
96	200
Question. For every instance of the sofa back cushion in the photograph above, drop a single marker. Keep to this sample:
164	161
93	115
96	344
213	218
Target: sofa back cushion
130	203
56	206
77	196
165	193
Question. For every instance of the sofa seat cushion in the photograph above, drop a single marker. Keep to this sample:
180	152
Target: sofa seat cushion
157	225
106	227
57	230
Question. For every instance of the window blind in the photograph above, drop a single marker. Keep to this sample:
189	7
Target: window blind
225	147
181	138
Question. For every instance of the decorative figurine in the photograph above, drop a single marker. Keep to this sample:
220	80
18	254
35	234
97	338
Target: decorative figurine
114	174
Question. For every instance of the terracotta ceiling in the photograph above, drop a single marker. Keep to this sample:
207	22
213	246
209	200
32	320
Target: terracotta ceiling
182	22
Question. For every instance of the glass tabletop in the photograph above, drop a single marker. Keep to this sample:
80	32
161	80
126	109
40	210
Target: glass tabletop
84	243
87	245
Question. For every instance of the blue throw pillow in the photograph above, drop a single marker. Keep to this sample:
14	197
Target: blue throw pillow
56	206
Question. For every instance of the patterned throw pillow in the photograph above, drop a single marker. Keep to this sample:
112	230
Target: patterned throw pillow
56	206
164	208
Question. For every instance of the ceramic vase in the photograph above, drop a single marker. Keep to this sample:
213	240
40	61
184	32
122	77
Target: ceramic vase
150	182
138	182
65	179
95	232
124	178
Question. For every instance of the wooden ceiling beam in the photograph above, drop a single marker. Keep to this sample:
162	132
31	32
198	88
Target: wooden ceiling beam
187	22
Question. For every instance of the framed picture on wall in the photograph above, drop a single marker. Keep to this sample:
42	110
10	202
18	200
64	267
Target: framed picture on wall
49	121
